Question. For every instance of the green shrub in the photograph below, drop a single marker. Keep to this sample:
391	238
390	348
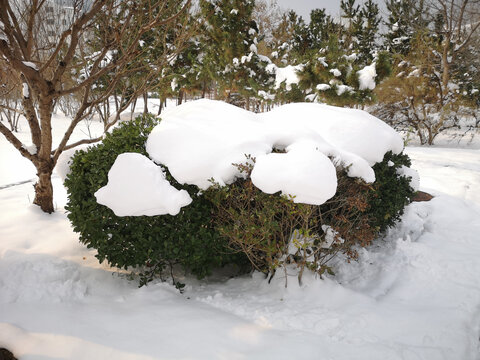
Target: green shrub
150	242
391	193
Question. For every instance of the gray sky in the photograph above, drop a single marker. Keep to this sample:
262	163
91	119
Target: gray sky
303	7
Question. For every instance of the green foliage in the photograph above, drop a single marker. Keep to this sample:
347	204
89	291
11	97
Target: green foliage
155	242
230	55
391	193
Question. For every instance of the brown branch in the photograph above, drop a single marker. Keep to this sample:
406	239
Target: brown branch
74	38
127	55
12	31
81	142
30	24
467	40
31	116
12	109
16	143
18	65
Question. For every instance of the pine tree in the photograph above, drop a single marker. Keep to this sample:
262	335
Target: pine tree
350	13
368	21
231	55
400	26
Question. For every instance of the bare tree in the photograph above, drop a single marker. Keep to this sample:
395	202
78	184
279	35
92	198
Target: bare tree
99	42
459	22
10	98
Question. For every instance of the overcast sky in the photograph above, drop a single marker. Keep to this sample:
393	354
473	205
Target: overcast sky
303	7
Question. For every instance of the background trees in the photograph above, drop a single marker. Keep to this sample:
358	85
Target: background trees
431	89
422	71
95	52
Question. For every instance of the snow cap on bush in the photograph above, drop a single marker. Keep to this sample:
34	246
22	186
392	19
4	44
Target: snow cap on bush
136	186
200	140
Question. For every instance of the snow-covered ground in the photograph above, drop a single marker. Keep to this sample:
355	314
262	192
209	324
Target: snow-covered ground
413	295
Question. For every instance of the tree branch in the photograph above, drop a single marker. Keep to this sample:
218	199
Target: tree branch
16	143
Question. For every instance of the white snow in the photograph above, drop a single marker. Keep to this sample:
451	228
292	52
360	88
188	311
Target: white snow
64	161
341	89
413	295
412	174
31	148
351	57
246	58
286	74
201	140
366	77
322	61
336	72
30	64
323	87
25	90
253	48
354	131
286	173
266	96
414	73
136	186
174	84
331	237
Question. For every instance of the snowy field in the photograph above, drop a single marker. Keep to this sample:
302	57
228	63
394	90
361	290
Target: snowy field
413	295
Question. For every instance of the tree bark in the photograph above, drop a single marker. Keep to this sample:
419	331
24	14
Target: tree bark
145	102
43	187
180	97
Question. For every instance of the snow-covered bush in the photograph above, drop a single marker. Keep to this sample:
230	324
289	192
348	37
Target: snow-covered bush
149	243
285	189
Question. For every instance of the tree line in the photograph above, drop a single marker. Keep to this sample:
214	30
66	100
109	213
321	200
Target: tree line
415	67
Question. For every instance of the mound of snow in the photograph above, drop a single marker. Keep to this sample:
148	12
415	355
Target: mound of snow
286	173
136	186
351	130
201	141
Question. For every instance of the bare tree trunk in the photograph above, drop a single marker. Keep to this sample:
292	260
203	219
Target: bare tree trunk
45	163
160	107
180	97
43	187
132	108
446	70
145	102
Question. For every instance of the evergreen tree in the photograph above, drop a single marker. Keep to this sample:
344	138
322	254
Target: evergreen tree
231	55
350	13
367	23
403	20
